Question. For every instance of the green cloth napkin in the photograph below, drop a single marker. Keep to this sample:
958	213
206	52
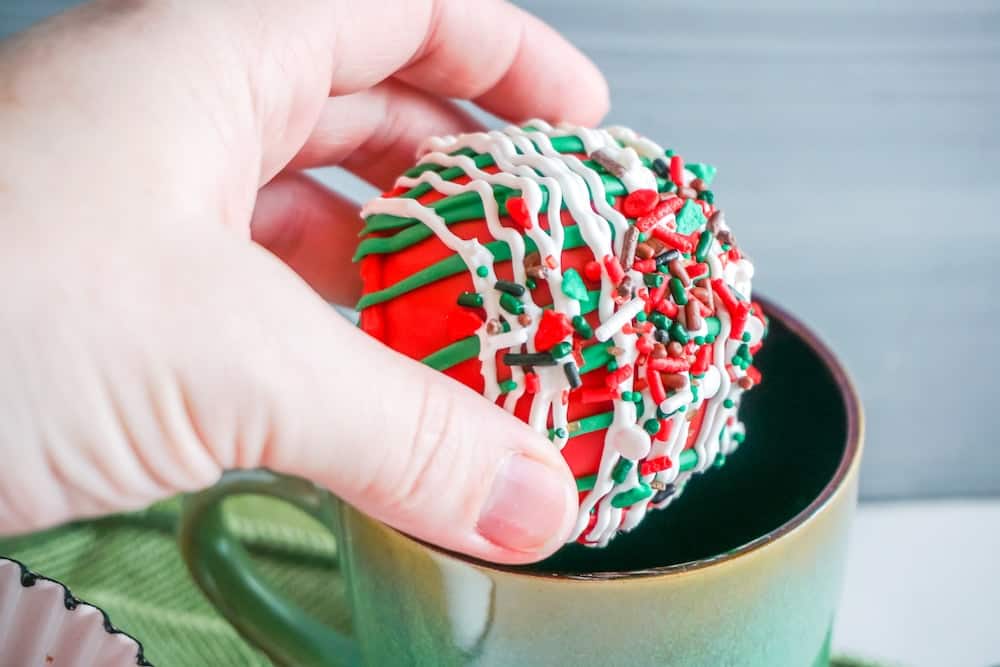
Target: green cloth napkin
129	566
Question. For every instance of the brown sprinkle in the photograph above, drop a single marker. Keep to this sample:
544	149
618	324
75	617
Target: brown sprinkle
673	380
675	349
697	184
687	192
693	312
493	327
603	158
537	272
745	383
703	294
524	319
682	318
656	244
715	222
659	351
678	271
644	251
629	244
625	288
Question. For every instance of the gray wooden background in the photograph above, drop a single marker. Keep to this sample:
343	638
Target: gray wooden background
859	147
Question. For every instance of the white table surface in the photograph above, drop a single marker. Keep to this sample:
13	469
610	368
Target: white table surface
923	584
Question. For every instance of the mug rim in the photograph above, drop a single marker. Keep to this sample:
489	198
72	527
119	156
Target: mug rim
849	461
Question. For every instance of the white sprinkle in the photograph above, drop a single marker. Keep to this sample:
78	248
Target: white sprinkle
622	316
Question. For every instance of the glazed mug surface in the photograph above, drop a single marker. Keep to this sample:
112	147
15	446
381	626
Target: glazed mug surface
743	569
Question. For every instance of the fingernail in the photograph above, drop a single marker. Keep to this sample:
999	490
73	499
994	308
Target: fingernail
526	506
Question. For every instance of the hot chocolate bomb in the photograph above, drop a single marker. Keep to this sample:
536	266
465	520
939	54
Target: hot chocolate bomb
584	280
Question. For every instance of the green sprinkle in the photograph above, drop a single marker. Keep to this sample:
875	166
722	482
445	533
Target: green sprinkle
704	243
586	483
632	496
582	327
572	285
678	333
709	338
643	237
683	408
560	350
470	299
652	279
651	426
694	393
699	340
627	396
530	283
739	437
659	320
612	366
746	336
743	351
511	303
726	247
507	386
728	403
669	153
677	290
620	471
690	218
706	172
640	316
720	460
707	196
482	271
714	326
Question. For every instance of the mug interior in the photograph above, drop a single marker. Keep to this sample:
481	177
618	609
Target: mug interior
802	436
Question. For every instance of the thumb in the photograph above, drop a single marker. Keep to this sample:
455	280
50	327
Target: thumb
405	444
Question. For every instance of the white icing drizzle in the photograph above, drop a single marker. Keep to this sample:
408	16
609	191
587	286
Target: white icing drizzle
528	162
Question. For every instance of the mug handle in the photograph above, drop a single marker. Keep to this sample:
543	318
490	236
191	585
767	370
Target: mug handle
221	567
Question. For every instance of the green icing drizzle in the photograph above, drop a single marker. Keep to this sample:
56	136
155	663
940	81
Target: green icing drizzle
454	354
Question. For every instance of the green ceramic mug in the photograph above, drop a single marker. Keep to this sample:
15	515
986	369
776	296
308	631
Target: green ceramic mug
744	569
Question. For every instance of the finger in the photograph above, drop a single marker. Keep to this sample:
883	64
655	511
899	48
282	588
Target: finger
403	443
375	133
313	230
509	62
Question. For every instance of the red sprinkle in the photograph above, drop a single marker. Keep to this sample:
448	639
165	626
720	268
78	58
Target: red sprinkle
615	271
551	262
644	345
677	170
667	307
734	254
592	270
702	360
617	377
644	265
518	211
722	291
653	466
666	425
739	320
673	239
648	222
753	374
640	202
696	270
669	365
656	390
531	383
598	395
553	327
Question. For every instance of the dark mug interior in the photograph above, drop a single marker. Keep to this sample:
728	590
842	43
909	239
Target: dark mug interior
797	436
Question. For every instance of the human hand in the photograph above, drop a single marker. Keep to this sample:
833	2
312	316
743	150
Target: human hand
151	335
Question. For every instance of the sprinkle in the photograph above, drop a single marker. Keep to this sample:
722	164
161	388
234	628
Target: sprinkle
507	386
705	172
602	157
530	283
529	359
745	382
720	460
728	403
617	376
668	308
702	360
674	381
678	332
663	211
592	270
660	496
653	279
640	202
690	218
715	222
707	196
673	239
632	496
572	375
678	271
511	304
704	243
644	251
651	426
618	319
493	327
482	271
669	364
644	265
524	319
508	287
693	313
653	466
621	469
696	271
531	383
661	168
470	299
572	285
598	395
629	243
553	327
614	269
656	389
550	261
677	291
677	170
517	208
582	327
625	289
561	350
